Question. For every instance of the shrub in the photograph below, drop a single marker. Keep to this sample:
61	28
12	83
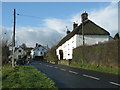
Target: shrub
103	54
5	51
51	55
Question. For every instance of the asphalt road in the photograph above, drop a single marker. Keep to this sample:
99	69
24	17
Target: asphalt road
67	77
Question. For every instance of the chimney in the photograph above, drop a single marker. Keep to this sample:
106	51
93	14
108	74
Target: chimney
74	25
84	16
36	44
67	30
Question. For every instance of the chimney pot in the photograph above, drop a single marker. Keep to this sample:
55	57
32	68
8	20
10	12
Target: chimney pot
74	25
68	31
84	16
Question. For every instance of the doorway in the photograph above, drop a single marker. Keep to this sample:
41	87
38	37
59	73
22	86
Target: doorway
61	54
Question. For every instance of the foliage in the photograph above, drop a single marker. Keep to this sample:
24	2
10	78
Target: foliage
5	52
101	55
25	77
24	46
96	68
51	55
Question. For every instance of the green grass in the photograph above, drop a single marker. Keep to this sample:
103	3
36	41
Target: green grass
25	76
97	68
0	77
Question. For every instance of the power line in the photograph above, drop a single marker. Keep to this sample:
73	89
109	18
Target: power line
28	16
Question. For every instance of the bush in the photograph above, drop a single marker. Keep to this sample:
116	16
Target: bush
102	55
51	55
5	52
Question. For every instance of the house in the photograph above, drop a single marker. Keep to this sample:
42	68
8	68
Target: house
38	52
87	33
19	53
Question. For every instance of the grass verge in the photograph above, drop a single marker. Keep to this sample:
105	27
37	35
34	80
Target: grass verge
97	68
25	76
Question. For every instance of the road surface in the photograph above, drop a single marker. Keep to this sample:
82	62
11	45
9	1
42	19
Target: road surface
68	77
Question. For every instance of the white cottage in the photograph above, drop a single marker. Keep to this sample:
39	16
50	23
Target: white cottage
38	52
87	33
19	53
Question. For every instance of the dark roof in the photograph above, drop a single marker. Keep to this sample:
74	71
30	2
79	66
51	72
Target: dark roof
89	28
40	46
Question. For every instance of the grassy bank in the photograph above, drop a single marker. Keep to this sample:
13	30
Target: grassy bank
93	67
25	77
97	68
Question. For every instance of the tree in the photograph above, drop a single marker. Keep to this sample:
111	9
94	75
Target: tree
24	46
5	52
116	36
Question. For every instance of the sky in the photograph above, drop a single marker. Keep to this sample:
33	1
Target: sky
45	22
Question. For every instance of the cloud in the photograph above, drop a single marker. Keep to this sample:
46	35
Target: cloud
56	24
32	35
105	17
6	33
49	33
53	29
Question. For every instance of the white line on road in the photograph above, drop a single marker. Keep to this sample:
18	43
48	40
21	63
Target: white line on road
73	72
39	63
62	69
50	66
91	77
56	67
115	83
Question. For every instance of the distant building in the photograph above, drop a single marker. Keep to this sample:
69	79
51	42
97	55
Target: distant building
87	33
38	52
19	53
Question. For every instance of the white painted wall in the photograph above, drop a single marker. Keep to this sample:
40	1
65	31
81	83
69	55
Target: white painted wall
39	51
18	53
77	40
67	48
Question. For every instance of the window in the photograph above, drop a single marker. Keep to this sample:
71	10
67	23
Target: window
19	51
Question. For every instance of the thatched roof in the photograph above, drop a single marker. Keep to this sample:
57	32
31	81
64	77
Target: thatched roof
89	28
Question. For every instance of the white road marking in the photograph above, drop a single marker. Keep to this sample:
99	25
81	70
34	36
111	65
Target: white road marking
115	83
91	77
73	72
39	63
62	69
56	67
50	66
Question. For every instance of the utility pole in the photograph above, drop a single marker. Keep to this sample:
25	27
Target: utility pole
83	35
13	40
